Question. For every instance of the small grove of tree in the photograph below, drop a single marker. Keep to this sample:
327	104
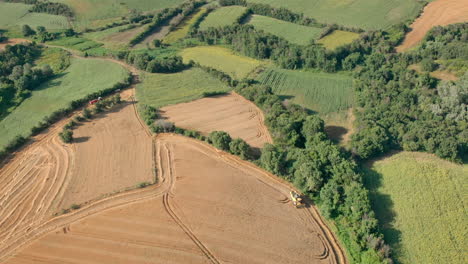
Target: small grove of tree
220	139
27	31
240	148
52	8
66	135
149	63
428	65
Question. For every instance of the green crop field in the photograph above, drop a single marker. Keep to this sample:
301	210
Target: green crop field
165	89
81	44
366	14
292	32
84	76
321	92
223	16
221	59
337	38
16	14
183	28
420	202
93	13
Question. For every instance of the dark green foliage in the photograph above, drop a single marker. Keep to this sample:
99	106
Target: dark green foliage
27	31
75	207
157	43
143	184
52	8
232	2
240	148
86	113
66	135
428	65
220	140
148	113
273	159
149	63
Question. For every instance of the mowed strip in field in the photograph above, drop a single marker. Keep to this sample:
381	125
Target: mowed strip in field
111	153
214	208
223	16
294	33
221	59
436	13
230	113
420	201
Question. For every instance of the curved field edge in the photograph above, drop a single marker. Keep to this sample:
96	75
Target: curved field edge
83	77
420	201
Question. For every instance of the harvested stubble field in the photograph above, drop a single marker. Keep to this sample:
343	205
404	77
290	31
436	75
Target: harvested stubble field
420	201
337	38
83	77
110	154
366	14
225	212
230	113
222	59
223	16
294	33
436	13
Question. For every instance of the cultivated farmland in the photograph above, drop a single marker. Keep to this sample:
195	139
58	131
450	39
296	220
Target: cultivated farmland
223	16
420	201
366	14
230	113
221	59
159	89
83	77
436	13
16	14
183	28
292	32
321	92
222	213
338	38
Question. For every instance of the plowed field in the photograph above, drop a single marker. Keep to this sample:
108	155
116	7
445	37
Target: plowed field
436	13
209	207
231	113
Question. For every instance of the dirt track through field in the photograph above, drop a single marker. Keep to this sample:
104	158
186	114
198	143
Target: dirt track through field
209	207
436	13
231	113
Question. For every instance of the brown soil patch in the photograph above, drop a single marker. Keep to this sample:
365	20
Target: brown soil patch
436	13
441	75
124	36
209	207
12	42
231	113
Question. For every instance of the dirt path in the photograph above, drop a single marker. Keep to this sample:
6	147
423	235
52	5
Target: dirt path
231	113
436	13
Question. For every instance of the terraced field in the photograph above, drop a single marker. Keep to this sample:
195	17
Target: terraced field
420	201
221	59
294	33
338	38
223	16
83	77
366	14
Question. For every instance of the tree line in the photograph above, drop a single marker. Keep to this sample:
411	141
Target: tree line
45	6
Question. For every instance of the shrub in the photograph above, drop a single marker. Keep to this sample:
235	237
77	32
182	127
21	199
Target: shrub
240	148
428	65
66	135
75	206
86	113
143	184
220	140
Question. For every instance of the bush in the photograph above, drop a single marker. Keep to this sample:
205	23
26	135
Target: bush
86	113
75	206
428	65
66	135
240	148
143	184
220	140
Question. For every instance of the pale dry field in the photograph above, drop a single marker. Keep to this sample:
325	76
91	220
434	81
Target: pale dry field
208	207
230	113
436	13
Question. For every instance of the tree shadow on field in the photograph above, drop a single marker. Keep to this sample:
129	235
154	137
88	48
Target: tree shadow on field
53	82
382	205
80	139
336	133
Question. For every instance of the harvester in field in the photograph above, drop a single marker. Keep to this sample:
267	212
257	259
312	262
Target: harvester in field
296	199
95	101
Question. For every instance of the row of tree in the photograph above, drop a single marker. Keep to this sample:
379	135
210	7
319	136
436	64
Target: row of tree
149	63
52	8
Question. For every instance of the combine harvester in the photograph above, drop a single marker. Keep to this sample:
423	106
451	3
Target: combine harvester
95	101
296	199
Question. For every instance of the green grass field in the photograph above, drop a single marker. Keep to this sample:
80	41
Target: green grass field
57	58
223	16
82	45
222	59
165	89
16	14
321	92
338	38
94	13
366	14
183	28
84	76
292	32
421	200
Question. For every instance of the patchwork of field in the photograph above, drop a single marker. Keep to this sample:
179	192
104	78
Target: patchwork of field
230	113
366	14
294	33
84	76
223	16
420	201
16	14
183	28
222	59
94	13
222	213
436	13
338	38
321	92
159	89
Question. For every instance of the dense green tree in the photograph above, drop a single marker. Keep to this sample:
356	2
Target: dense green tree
240	148
220	140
